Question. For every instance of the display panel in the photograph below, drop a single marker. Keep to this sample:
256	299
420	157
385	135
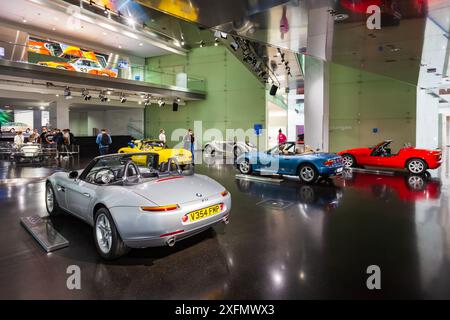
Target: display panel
59	55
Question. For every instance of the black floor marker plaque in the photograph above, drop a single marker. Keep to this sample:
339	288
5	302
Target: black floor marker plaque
42	230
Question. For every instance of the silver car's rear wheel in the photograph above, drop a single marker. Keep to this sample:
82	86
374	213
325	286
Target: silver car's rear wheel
416	166
107	239
245	167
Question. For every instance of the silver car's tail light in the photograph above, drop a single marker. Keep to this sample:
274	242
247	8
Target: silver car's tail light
169	207
224	193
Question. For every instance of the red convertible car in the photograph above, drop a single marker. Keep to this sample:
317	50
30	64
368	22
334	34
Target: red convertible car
414	160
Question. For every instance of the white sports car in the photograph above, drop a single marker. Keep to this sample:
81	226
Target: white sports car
13	127
136	206
228	147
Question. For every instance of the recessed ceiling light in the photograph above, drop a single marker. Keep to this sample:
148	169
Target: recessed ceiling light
24	20
141	44
54	29
104	33
340	17
120	47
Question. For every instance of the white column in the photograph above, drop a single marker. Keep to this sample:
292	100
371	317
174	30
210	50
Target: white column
320	33
316	104
59	114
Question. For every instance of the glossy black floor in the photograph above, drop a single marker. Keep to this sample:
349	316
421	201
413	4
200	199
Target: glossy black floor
287	241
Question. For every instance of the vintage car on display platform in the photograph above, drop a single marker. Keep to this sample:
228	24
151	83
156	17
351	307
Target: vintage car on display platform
131	205
415	161
13	127
81	65
29	152
228	147
183	156
288	159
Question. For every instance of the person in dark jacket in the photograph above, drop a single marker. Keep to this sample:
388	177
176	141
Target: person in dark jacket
58	140
104	141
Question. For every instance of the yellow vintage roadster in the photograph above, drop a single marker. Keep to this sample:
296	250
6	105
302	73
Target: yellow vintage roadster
182	156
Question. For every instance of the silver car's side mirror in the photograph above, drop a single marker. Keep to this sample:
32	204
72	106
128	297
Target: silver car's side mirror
73	175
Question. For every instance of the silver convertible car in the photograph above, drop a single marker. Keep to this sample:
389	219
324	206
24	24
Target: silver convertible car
136	206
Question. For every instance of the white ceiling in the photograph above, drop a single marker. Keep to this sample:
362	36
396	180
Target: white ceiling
65	22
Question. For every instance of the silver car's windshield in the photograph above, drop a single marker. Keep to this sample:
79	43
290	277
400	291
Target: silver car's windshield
129	168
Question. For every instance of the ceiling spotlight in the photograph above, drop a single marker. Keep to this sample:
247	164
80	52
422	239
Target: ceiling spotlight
131	21
234	45
147	100
182	42
161	102
24	20
106	10
102	96
178	100
108	92
122	98
85	94
202	44
216	42
67	93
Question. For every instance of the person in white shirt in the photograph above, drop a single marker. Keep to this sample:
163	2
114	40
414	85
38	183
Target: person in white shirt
162	136
19	139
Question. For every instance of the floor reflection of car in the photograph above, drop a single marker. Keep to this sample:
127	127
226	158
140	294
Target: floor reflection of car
414	160
13	127
80	65
134	206
406	187
324	196
288	159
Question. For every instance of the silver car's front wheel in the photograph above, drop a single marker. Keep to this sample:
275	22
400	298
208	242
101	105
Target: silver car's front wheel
50	200
245	167
107	239
104	235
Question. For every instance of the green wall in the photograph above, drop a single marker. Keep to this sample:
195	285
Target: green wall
361	101
235	98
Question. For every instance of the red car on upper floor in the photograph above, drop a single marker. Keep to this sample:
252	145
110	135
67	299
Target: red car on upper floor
414	160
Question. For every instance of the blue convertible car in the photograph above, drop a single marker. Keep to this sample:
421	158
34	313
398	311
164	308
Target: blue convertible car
286	160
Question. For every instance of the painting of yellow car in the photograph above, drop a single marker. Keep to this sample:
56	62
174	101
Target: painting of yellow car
182	156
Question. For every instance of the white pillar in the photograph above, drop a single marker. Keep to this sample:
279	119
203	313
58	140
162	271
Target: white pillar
316	104
427	104
320	32
59	114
